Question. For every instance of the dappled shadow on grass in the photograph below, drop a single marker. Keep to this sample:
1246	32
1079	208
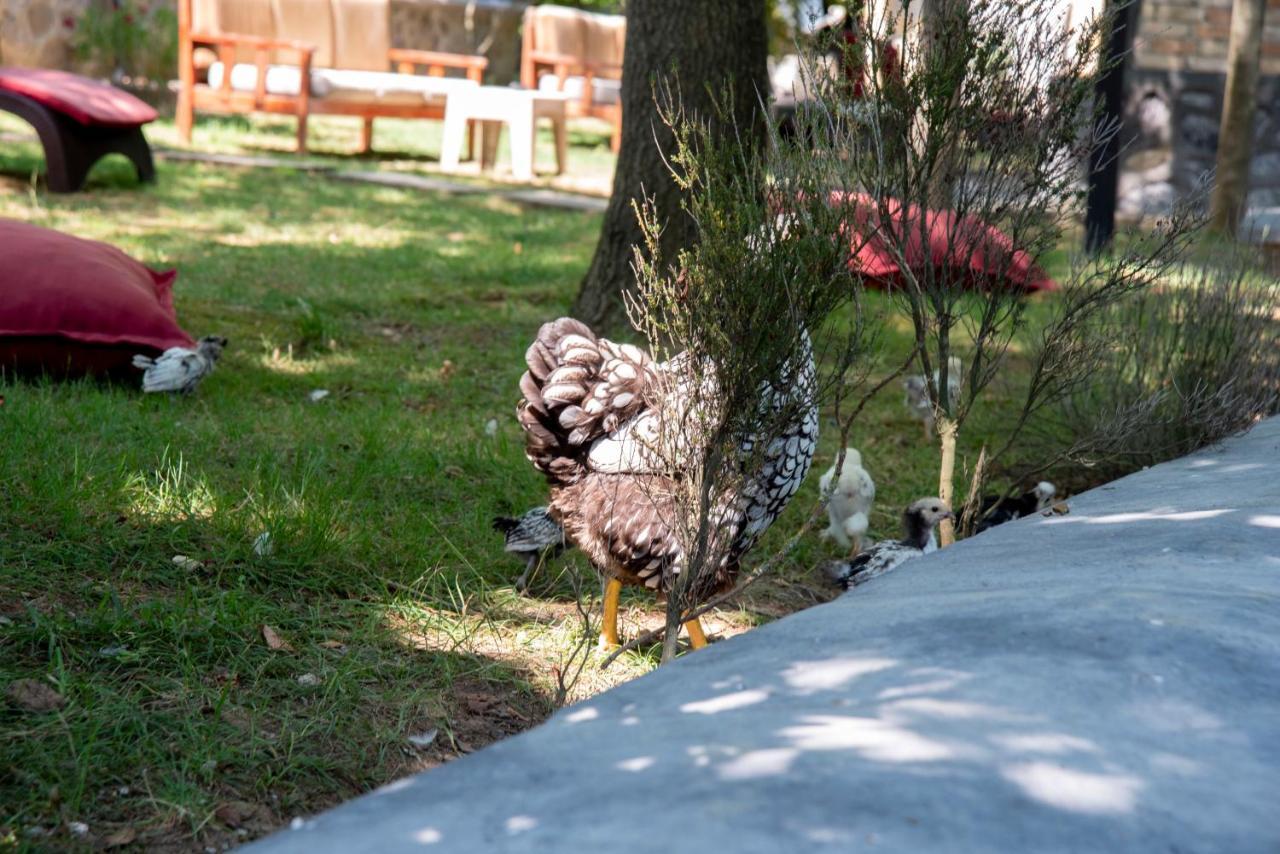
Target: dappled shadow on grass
182	722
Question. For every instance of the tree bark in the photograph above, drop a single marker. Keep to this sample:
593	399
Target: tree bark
1104	160
702	48
1235	136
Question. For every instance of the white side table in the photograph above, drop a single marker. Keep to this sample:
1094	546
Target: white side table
491	107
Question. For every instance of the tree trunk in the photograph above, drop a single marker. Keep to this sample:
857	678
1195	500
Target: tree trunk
704	48
1104	160
1235	138
947	430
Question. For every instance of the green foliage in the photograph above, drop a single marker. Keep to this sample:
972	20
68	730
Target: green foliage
132	37
1182	365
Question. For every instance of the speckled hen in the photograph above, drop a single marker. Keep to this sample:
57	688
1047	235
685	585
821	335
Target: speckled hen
592	410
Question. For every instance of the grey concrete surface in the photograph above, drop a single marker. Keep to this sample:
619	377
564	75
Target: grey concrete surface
1106	680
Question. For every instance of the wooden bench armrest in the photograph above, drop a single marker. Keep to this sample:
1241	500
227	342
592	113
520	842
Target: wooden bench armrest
251	42
227	43
596	69
436	62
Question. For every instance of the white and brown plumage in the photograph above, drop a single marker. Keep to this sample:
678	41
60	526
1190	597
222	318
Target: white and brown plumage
591	411
533	536
180	369
918	522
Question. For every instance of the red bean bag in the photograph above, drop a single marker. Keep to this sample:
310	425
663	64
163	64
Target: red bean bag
970	252
70	306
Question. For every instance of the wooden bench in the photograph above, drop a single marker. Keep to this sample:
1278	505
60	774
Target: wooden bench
79	121
305	58
580	54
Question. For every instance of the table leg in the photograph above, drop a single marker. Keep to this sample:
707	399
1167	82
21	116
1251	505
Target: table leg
562	142
455	127
490	131
520	125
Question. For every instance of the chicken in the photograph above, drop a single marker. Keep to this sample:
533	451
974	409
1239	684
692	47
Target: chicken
918	523
535	536
180	369
996	510
592	411
849	501
917	388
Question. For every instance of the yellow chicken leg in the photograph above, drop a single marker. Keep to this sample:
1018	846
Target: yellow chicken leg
697	637
609	623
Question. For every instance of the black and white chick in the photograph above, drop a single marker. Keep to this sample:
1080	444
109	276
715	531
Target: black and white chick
996	510
917	388
918	522
535	536
180	369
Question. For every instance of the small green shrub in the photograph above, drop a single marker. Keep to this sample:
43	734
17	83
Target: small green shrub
134	38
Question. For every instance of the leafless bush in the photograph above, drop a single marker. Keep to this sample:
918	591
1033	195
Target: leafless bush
1186	363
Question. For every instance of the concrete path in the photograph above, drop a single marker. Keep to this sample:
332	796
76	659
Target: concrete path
1107	680
531	196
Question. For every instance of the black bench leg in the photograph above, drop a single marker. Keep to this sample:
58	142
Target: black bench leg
71	149
83	147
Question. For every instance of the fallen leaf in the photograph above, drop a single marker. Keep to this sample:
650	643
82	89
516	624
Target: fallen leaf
308	679
491	427
78	828
517	248
447	369
274	641
333	644
188	563
318	395
262	545
235	813
34	696
122	837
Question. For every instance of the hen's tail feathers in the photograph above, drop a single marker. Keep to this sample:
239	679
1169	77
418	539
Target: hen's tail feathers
143	362
578	387
838	572
504	524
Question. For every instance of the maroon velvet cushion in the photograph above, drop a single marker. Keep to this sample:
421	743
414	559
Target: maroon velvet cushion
87	101
69	305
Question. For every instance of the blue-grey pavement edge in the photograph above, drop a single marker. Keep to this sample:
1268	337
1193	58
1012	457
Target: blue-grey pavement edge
1104	680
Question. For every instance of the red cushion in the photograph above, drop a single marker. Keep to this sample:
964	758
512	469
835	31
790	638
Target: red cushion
79	306
87	101
975	253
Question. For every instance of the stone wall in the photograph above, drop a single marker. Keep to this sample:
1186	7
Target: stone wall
487	27
38	32
1192	35
1176	83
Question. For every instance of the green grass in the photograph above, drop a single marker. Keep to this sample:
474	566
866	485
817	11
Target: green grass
413	310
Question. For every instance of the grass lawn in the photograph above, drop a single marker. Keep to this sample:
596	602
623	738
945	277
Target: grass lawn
182	726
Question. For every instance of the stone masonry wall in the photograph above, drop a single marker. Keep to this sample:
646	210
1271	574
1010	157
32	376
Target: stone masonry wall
38	32
1192	35
1175	89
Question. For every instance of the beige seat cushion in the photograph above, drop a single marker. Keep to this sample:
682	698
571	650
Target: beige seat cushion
589	36
347	34
382	87
604	90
